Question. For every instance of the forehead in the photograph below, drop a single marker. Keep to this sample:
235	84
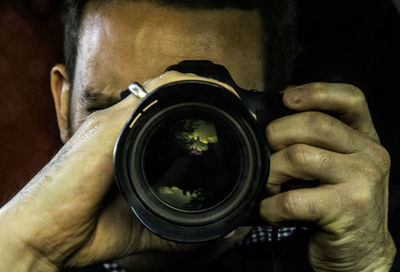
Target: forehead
124	41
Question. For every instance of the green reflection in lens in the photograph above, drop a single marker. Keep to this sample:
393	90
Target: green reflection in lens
178	197
192	164
200	135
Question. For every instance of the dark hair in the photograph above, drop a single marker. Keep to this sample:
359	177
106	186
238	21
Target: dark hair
278	22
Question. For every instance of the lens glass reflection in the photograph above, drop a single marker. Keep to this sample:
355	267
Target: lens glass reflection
192	163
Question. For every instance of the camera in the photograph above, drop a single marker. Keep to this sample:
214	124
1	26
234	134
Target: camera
193	160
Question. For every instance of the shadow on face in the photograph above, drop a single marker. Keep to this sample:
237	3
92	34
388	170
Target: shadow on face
128	41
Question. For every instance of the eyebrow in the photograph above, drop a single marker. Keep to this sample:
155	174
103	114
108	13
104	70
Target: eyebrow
95	99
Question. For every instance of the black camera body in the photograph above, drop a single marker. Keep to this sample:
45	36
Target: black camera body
193	161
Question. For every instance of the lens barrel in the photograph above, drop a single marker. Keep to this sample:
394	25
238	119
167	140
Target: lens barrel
191	161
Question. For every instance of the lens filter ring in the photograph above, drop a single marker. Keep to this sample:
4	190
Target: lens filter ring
200	187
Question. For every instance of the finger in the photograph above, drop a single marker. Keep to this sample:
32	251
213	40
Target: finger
313	128
311	205
173	76
345	101
129	102
82	171
307	162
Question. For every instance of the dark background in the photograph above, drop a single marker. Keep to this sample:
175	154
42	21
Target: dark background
30	44
358	42
343	41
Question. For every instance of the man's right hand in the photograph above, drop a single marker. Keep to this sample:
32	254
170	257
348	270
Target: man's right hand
67	212
70	214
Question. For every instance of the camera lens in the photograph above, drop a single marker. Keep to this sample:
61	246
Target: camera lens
192	160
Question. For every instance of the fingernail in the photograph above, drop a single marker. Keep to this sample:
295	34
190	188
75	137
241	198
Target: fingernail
293	95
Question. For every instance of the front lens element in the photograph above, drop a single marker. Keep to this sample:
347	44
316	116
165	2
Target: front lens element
192	161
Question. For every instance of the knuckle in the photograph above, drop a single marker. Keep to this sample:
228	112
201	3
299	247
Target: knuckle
323	161
319	87
357	97
322	125
317	90
303	157
369	184
298	155
95	116
289	201
355	91
377	167
383	158
95	119
295	205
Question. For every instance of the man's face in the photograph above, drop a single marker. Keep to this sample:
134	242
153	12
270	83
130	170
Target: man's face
129	41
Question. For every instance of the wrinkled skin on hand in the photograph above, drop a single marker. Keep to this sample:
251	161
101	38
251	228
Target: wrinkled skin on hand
332	139
71	214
